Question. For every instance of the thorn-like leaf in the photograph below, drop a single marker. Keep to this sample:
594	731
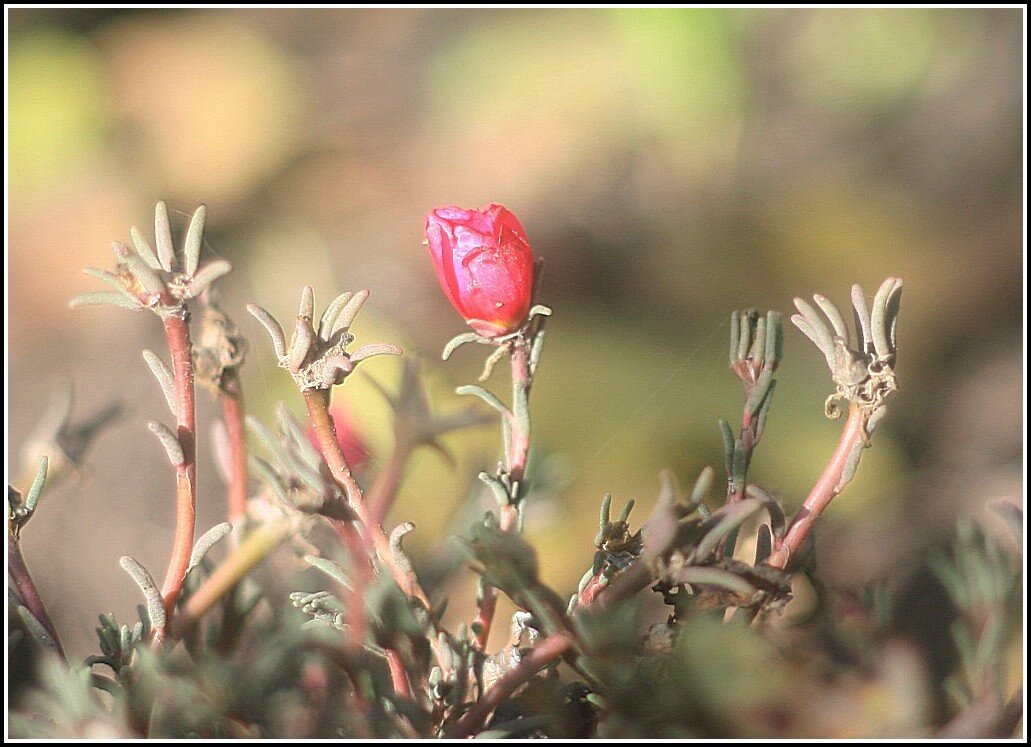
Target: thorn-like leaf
147	277
301	344
143	579
879	325
350	311
379	348
329	316
728	444
207	275
606	506
700	575
824	339
331	569
206	542
492	359
735	335
458	340
759	391
722	523
105	298
862	314
489	398
163	237
273	328
307	308
397	551
745	333
806	328
164	377
764	410
32	496
191	245
625	513
703	485
144	249
535	351
758	347
110	279
539	309
170	441
834	316
892	314
774	340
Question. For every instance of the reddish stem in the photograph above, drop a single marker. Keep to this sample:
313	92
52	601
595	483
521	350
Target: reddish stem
823	491
231	398
177	334
18	572
398	675
538	657
515	464
373	537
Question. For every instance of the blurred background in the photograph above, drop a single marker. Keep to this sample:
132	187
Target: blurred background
669	166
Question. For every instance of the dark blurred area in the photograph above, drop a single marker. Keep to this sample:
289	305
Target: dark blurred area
669	166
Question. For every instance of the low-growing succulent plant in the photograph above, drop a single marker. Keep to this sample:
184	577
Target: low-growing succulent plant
668	634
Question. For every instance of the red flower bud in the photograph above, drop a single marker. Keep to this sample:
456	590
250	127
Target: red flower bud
356	453
484	264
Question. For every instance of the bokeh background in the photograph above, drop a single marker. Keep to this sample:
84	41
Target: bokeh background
669	166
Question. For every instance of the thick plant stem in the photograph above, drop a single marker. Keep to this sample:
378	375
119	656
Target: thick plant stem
252	551
231	399
829	485
547	651
373	536
383	492
515	464
177	335
18	572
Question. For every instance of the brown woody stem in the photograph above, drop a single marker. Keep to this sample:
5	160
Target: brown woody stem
823	492
177	335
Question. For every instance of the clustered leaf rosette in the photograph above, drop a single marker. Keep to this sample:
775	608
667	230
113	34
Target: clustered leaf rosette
162	280
317	357
862	365
485	265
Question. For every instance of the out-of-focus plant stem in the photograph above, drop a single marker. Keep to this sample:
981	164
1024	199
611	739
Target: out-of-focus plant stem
376	541
373	535
231	399
177	335
515	462
535	660
383	492
241	560
823	492
18	572
398	675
